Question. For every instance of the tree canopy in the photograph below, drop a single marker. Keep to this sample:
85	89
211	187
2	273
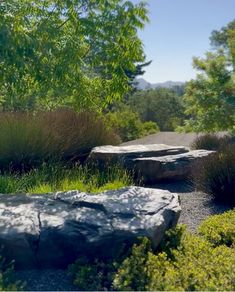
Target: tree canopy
210	98
225	39
78	53
161	105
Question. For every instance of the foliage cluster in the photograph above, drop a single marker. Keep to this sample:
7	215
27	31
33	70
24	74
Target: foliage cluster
93	275
161	105
215	175
184	262
209	99
74	53
219	229
51	178
194	265
128	125
27	140
7	281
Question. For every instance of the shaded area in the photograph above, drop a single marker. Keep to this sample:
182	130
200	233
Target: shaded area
196	206
46	280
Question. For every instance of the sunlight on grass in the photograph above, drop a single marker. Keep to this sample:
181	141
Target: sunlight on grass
49	179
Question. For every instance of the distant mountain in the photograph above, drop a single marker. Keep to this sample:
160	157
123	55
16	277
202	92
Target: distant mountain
143	84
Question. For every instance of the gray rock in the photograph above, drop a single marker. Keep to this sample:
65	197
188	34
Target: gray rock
170	167
52	230
150	163
123	154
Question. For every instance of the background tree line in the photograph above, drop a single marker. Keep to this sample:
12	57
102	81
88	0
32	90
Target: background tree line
85	55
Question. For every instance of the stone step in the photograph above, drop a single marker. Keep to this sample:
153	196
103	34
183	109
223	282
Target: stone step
119	154
167	168
53	230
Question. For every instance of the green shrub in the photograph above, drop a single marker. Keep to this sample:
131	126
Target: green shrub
127	124
7	281
88	277
183	262
149	128
219	229
60	178
27	140
131	275
211	142
215	175
93	276
193	265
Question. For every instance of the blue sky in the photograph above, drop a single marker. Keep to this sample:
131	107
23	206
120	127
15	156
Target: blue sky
179	30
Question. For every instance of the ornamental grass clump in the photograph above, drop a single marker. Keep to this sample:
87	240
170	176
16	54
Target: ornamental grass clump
215	175
75	134
28	140
24	141
212	141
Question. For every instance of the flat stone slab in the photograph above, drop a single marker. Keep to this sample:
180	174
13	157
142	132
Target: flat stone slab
121	154
170	167
53	230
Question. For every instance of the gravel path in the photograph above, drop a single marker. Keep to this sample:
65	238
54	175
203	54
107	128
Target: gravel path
46	280
196	206
168	138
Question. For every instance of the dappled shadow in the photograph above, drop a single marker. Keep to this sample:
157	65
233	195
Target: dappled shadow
175	187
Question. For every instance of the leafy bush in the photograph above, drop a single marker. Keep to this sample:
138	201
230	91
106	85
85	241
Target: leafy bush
212	142
127	124
93	276
59	178
215	175
183	262
149	128
219	229
131	275
193	265
7	282
27	140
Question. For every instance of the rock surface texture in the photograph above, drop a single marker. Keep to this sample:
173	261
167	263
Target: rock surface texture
122	154
151	163
53	230
169	167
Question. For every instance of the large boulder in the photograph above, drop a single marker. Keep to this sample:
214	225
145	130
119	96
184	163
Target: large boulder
52	230
152	163
167	168
123	154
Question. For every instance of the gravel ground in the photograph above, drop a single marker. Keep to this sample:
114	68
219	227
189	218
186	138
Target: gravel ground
46	280
196	206
168	138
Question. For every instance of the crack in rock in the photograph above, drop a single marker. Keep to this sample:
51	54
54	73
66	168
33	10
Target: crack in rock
90	205
84	204
37	242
